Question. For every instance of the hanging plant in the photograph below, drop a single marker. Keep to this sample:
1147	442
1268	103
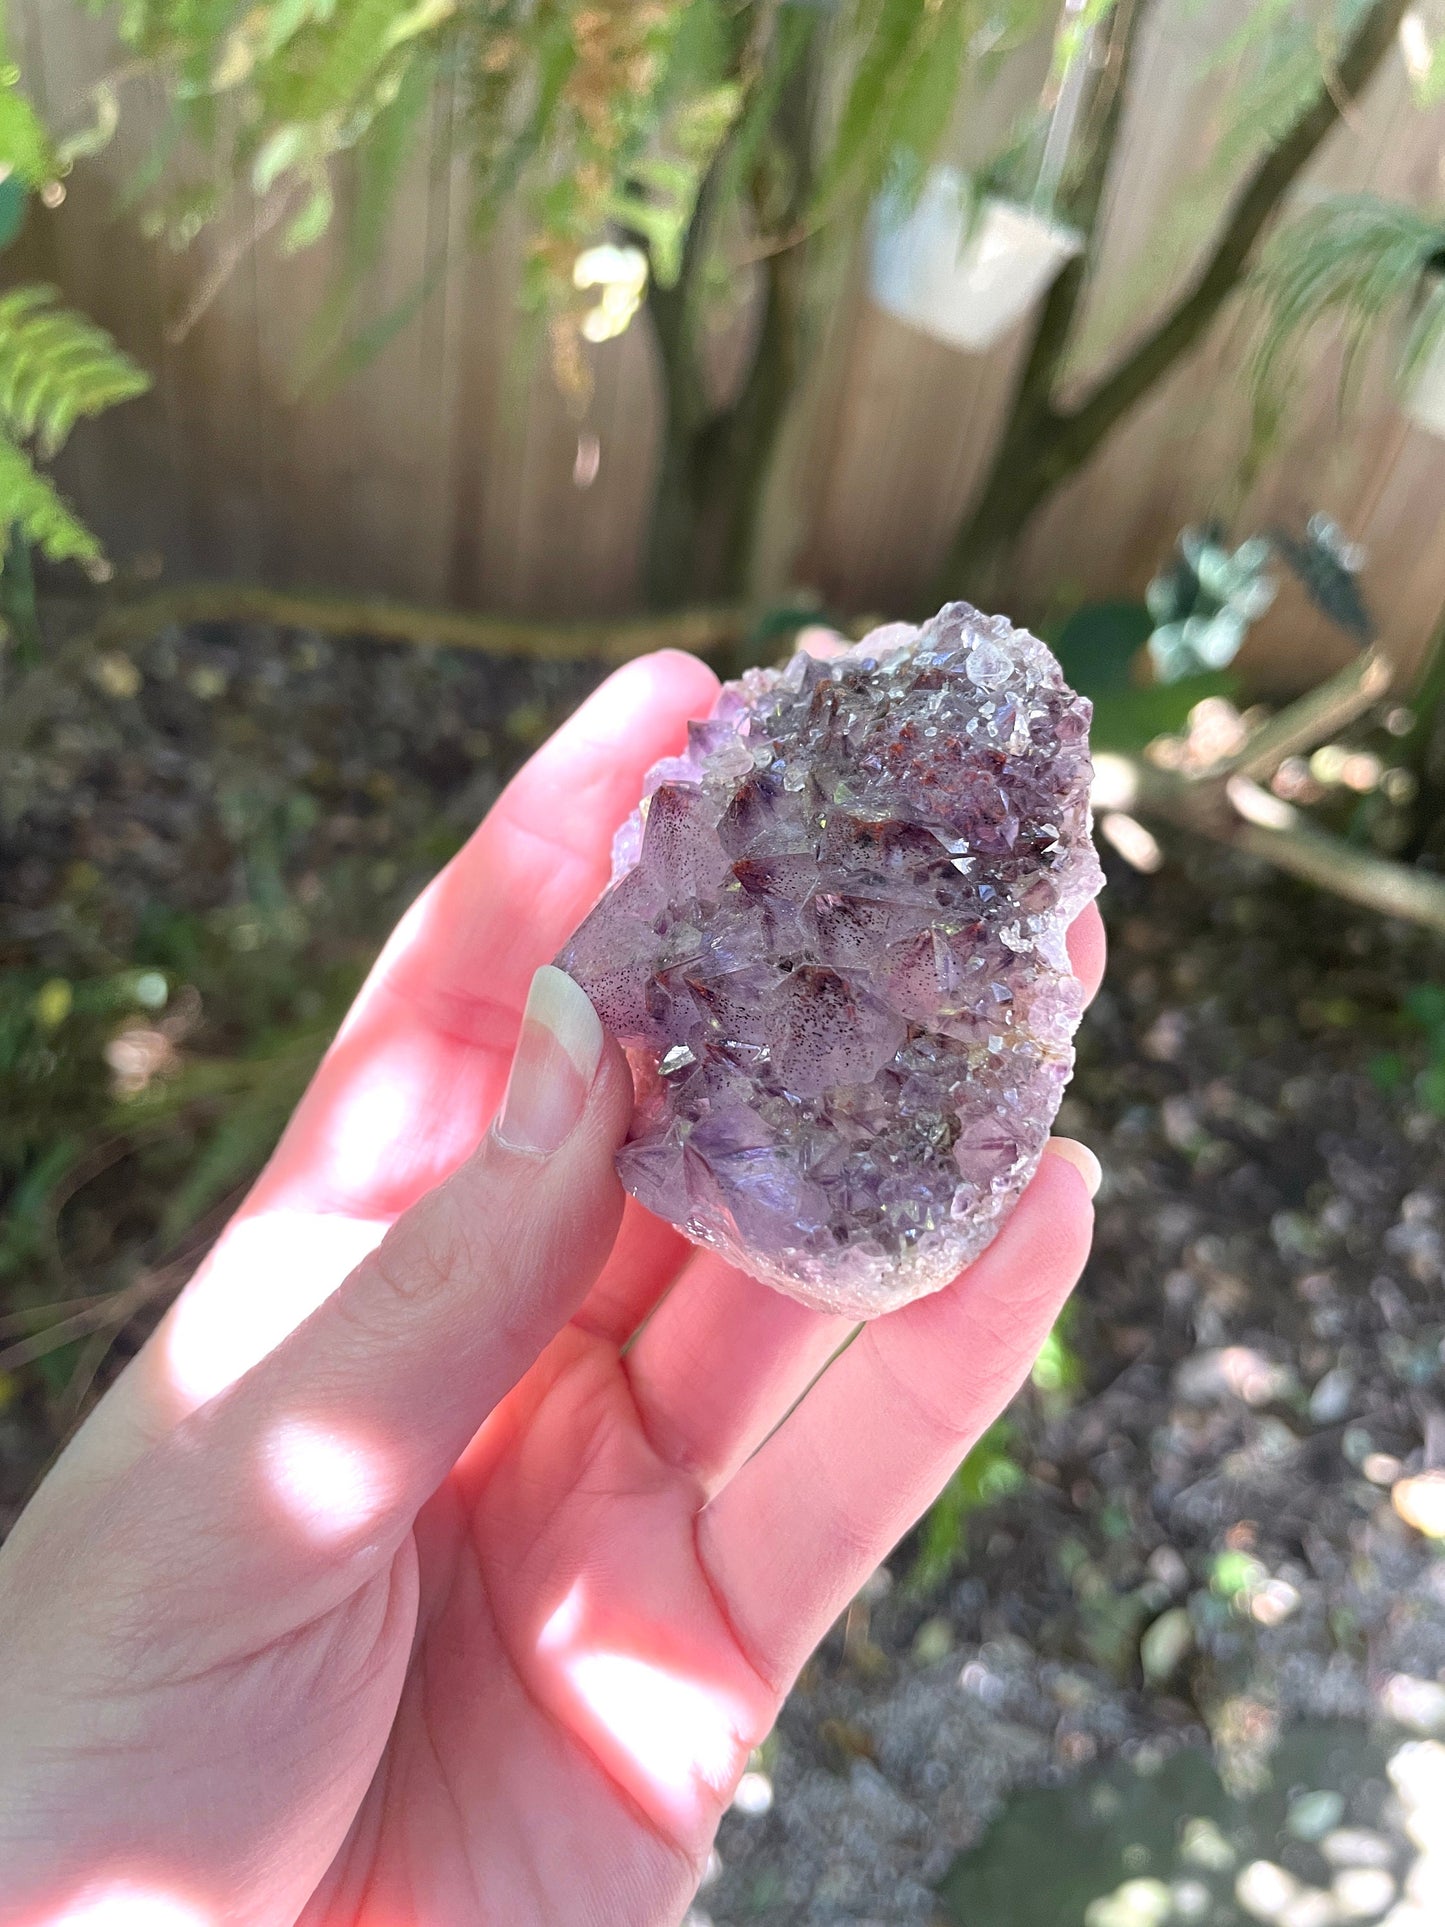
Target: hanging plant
965	262
963	269
1362	266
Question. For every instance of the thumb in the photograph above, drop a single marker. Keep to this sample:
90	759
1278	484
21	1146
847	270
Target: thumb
342	1432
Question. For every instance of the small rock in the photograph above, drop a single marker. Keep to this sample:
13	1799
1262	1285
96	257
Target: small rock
1168	1568
1361	1893
1358	1847
1332	1397
1137	1903
1418	1704
1420	1502
887	1815
1276	1601
843	1741
1202	1844
1417	1773
206	682
1312	1815
1233	1371
117	675
1192	1900
1166	1645
754	1795
932	1642
1264	1890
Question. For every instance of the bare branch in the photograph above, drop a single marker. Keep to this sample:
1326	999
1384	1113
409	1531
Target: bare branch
1314	717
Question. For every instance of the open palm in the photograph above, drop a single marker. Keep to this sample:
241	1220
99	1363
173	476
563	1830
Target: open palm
452	1581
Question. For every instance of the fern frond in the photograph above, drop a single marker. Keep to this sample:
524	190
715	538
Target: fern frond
1355	262
31	506
55	368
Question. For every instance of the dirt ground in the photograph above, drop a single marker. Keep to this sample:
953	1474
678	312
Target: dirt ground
1181	1659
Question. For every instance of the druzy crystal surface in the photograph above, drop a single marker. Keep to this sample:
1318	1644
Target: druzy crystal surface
834	947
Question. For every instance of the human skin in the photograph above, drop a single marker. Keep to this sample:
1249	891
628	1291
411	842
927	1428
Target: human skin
443	1555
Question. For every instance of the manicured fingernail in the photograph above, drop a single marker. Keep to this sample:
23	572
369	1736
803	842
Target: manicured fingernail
1082	1159
556	1060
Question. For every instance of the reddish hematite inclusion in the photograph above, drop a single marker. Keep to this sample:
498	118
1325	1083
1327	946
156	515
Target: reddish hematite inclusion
834	947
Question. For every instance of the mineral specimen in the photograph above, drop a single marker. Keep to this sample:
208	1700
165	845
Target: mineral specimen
834	947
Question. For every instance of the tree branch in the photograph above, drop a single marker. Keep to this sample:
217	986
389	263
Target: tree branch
1303	724
1019	474
1184	324
1234	811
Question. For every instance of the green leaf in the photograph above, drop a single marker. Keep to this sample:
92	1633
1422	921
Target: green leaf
30	505
1430	1085
1099	644
14	198
1425	1005
1354	261
890	37
1387	1070
26	150
923	99
988	1474
313	220
1130	719
55	368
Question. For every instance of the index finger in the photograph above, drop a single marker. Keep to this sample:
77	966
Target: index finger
410	1085
416	1071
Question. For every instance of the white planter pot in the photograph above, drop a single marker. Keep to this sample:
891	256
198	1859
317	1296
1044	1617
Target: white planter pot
1425	403
964	284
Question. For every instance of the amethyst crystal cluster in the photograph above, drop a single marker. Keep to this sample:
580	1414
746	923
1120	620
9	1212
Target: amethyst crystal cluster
834	946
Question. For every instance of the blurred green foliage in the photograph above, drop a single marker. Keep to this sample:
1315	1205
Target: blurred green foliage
988	1474
1421	1057
56	368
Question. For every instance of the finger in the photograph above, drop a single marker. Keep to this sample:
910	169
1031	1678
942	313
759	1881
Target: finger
412	1081
416	1071
335	1440
816	639
644	1263
724	1358
1087	949
720	1362
792	1537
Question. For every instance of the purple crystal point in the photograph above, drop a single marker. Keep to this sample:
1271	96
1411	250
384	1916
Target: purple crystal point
834	947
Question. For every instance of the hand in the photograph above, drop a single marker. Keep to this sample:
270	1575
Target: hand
386	1588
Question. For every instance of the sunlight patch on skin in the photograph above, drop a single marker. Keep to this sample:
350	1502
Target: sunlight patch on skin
270	1273
125	1903
670	1738
356	1141
329	1482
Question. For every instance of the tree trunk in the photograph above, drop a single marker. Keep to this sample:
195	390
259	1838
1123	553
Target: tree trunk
715	458
1042	445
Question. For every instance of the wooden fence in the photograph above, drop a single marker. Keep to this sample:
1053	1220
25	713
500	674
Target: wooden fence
444	472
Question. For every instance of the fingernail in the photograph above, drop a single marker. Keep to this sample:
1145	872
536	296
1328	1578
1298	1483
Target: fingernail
1082	1159
555	1062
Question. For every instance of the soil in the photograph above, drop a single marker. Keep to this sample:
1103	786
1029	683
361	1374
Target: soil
1186	1604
